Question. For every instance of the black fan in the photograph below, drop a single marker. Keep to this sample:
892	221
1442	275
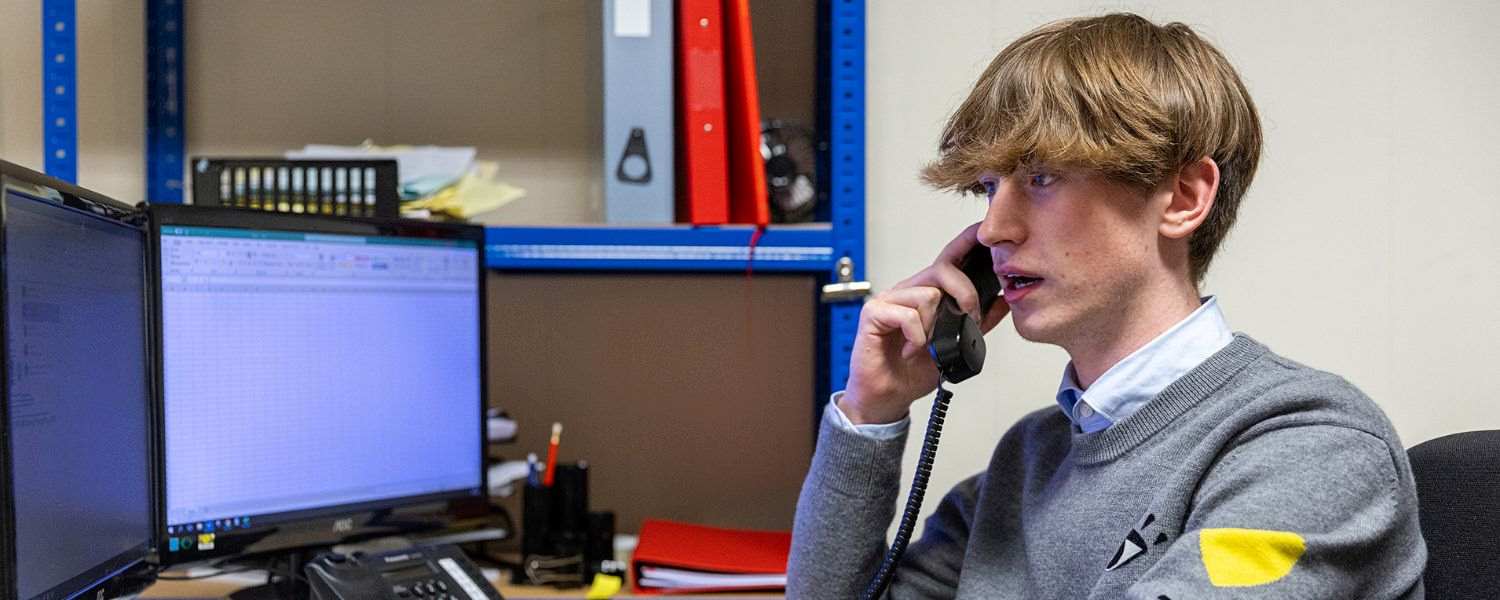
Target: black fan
790	151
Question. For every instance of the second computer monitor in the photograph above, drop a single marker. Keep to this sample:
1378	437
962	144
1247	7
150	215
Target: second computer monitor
313	368
75	437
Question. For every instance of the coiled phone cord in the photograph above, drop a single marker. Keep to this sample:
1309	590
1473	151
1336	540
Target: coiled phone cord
913	499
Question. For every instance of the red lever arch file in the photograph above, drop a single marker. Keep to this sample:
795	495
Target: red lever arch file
749	200
674	557
703	147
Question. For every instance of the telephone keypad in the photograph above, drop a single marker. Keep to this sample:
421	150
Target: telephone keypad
436	589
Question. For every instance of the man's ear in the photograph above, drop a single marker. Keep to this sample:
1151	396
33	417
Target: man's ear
1193	190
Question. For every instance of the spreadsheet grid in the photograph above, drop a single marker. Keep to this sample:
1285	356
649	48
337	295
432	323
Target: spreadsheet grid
295	394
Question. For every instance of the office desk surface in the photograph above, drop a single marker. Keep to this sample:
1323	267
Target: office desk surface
208	588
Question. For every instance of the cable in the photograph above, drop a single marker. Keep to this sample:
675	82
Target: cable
914	499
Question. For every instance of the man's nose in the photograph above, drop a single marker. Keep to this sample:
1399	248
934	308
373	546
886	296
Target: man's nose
1004	220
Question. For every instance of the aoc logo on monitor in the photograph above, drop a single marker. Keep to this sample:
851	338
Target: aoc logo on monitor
343	525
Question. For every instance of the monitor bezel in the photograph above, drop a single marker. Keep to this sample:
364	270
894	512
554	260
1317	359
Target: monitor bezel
96	205
320	526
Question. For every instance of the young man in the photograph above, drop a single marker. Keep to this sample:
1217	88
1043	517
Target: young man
1182	461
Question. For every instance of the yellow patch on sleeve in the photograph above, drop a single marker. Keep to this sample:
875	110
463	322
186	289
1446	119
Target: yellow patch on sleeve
1247	557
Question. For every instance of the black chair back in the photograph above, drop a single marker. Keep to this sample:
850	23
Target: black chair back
1458	487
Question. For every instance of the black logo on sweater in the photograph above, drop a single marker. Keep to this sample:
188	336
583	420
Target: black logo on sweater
1135	544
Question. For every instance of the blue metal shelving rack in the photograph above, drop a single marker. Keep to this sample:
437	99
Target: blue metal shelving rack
59	93
844	87
813	249
165	144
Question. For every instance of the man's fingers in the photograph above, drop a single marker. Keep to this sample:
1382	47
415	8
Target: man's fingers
950	280
954	252
946	275
954	283
922	292
885	317
910	351
923	298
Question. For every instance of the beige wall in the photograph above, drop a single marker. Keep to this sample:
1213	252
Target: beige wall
1367	245
21	83
111	92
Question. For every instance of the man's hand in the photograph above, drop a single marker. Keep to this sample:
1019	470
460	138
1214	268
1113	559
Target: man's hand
890	367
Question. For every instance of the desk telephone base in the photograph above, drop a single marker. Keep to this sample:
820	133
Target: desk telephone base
419	572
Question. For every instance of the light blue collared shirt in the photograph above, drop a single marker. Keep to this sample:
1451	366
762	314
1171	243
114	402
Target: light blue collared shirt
879	431
1120	391
1134	381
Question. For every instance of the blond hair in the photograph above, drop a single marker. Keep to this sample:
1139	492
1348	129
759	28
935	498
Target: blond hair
1118	95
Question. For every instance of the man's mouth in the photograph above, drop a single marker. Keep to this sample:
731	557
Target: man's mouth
1015	283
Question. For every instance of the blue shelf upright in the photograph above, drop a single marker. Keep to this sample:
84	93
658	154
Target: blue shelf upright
164	118
842	83
59	89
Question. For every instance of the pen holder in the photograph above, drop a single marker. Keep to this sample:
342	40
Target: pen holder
555	527
599	551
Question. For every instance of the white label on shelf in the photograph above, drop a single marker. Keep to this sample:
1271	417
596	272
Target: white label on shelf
632	18
629	252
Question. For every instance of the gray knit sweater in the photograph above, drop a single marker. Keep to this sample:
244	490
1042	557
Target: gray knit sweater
1250	477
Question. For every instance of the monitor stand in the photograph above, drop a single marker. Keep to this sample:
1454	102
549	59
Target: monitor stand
381	525
288	588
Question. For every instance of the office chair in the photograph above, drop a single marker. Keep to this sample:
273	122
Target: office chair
1458	489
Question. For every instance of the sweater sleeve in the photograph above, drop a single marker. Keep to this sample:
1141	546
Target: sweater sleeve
847	503
1312	511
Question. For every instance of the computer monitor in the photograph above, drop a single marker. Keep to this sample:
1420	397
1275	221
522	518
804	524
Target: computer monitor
316	371
76	473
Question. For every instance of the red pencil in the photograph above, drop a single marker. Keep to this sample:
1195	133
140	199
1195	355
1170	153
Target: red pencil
552	454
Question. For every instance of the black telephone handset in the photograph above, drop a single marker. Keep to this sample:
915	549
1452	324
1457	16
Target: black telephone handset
441	572
957	346
957	340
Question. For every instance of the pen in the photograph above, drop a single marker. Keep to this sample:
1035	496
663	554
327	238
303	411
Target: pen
531	470
552	454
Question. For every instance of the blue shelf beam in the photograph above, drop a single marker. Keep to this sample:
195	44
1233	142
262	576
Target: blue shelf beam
59	89
779	249
165	146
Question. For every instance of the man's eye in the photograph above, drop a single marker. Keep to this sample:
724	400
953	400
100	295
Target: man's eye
1043	179
989	187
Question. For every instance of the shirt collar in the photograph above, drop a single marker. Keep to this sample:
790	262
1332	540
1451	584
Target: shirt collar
1139	377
